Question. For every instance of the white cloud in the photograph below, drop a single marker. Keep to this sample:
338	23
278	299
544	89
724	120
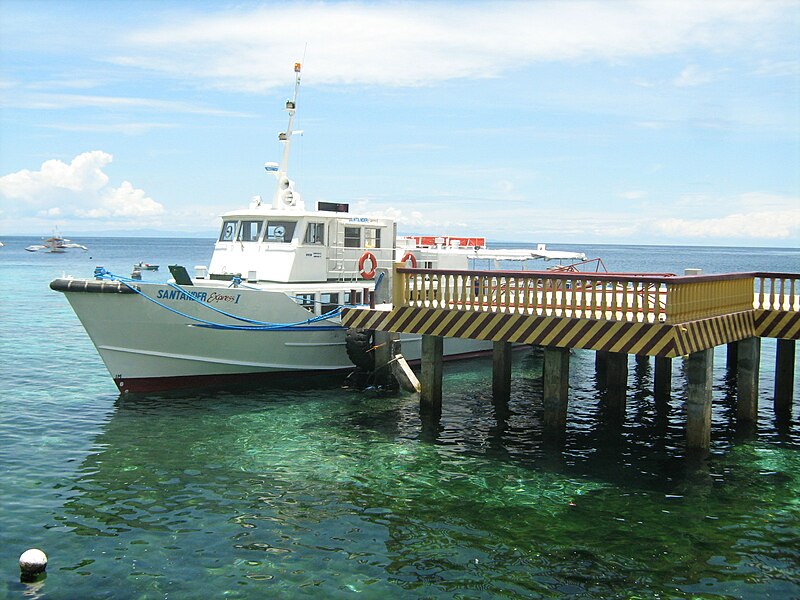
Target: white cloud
43	101
79	189
766	225
633	195
692	76
745	219
419	43
749	216
131	128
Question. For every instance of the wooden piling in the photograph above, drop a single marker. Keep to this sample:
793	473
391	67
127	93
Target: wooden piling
601	368
430	397
617	383
784	376
556	388
699	371
384	355
732	356
501	371
747	364
662	379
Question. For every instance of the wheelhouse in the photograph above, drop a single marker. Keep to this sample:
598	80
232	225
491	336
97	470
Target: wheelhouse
300	246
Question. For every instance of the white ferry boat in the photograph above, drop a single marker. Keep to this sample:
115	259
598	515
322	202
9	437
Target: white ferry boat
268	303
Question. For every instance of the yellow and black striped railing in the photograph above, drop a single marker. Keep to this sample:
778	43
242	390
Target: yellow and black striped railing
660	315
629	297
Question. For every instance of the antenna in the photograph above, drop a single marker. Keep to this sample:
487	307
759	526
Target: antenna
284	195
291	106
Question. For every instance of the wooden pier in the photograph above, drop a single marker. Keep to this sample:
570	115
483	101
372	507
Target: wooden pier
615	315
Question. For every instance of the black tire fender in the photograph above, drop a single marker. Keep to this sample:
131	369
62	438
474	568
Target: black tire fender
359	344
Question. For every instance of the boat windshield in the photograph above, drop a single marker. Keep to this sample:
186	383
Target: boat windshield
250	231
280	231
228	233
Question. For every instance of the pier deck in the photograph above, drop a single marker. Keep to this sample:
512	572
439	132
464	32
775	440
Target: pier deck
614	314
635	314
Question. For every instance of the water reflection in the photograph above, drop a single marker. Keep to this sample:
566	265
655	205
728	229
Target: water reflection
327	490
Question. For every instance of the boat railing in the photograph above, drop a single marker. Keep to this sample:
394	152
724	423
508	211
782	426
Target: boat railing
640	297
343	261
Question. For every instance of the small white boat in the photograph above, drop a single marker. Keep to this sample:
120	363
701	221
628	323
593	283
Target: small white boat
268	304
55	244
143	266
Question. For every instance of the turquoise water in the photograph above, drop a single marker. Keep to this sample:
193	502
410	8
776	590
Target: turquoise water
318	491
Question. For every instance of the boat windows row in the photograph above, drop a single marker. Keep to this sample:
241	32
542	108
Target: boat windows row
325	302
282	231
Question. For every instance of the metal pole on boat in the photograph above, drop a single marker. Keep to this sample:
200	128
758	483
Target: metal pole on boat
283	192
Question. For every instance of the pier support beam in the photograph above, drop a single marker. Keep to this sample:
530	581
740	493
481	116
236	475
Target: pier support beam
430	395
784	377
662	380
732	356
384	355
617	383
556	389
601	368
699	371
749	354
501	371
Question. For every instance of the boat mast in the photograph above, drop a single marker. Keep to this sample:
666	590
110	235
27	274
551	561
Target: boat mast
284	195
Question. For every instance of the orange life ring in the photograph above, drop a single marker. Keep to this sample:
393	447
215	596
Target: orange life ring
409	256
373	264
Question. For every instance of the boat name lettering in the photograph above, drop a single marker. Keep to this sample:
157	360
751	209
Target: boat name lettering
360	220
202	296
176	295
215	297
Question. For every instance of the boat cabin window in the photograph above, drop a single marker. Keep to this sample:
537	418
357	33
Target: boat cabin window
372	237
250	231
228	233
352	297
328	302
306	301
280	231
352	237
315	233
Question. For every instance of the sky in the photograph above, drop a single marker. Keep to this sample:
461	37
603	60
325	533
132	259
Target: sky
571	121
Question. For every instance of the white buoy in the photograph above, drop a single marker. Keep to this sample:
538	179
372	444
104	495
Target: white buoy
32	562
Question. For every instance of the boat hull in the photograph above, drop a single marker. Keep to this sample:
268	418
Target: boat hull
161	339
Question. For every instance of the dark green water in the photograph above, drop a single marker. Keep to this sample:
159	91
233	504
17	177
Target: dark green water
317	491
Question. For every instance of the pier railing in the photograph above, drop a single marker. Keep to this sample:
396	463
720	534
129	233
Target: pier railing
649	298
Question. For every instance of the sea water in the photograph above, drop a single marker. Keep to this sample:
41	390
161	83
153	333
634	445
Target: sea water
312	490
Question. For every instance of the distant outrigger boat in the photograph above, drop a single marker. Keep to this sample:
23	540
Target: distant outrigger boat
56	244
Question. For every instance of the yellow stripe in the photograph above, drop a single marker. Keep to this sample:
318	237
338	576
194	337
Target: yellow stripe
450	322
583	341
513	323
622	342
413	325
476	325
556	331
490	324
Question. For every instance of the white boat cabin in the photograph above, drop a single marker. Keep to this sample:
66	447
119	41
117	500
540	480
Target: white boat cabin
264	243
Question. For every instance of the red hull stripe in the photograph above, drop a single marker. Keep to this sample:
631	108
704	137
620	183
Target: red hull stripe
150	385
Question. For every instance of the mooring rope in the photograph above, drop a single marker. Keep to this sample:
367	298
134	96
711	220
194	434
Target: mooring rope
254	325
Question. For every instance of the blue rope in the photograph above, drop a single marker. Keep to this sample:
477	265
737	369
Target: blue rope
100	272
